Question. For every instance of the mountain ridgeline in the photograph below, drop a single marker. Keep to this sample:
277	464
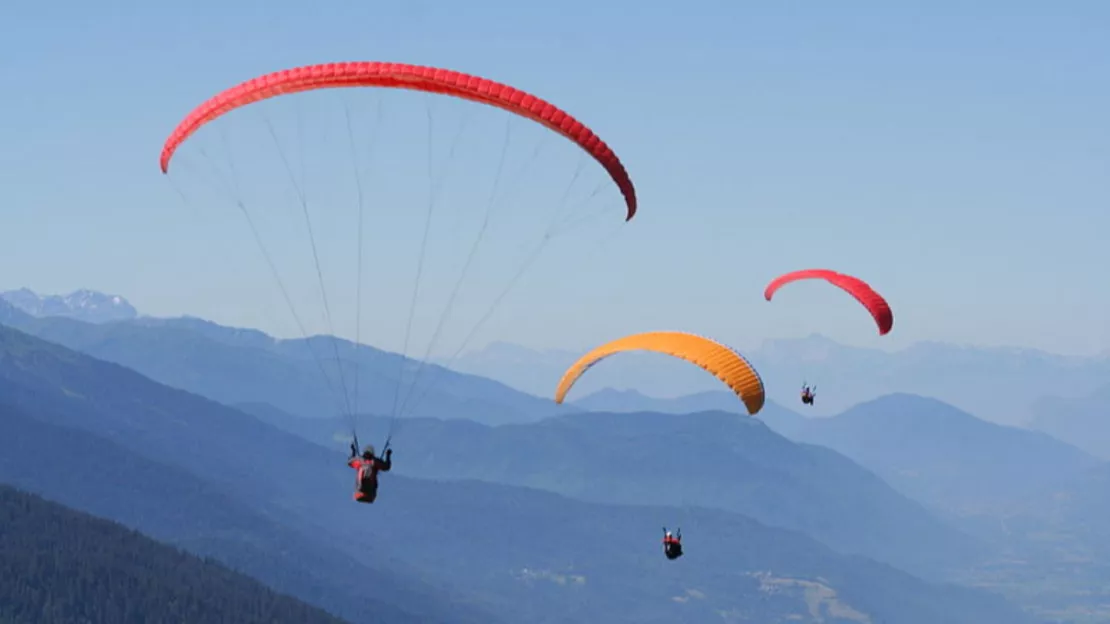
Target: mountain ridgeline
84	305
997	384
706	460
482	551
944	456
1000	385
245	366
192	473
1036	504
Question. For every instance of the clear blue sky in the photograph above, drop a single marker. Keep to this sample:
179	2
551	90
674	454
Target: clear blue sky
954	154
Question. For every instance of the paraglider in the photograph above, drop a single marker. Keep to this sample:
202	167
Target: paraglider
875	304
672	544
721	361
808	394
424	79
367	468
873	301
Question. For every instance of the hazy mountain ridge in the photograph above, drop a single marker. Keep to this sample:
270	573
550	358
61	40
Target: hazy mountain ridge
166	501
945	457
234	365
1082	421
85	305
624	401
1040	503
527	573
234	342
997	384
780	419
710	459
929	450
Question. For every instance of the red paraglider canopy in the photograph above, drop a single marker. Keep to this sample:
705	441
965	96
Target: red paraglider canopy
873	301
403	76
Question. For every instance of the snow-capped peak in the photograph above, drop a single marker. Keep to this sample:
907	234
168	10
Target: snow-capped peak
84	305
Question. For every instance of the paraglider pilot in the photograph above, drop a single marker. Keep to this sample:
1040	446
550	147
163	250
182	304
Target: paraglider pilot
672	544
368	466
808	394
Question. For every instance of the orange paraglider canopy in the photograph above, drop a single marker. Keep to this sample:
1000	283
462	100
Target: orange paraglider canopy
714	357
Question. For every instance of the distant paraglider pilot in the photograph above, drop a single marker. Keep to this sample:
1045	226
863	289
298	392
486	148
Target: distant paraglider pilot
368	466
672	544
808	394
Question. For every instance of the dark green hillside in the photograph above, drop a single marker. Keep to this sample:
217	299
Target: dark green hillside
61	565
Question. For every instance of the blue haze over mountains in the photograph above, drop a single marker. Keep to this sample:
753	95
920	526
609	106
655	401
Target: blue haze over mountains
427	550
1000	385
1010	386
867	515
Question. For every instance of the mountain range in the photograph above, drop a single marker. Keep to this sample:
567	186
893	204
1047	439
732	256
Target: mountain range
155	487
1008	386
300	376
84	305
625	401
907	480
244	491
943	456
697	460
958	465
995	384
